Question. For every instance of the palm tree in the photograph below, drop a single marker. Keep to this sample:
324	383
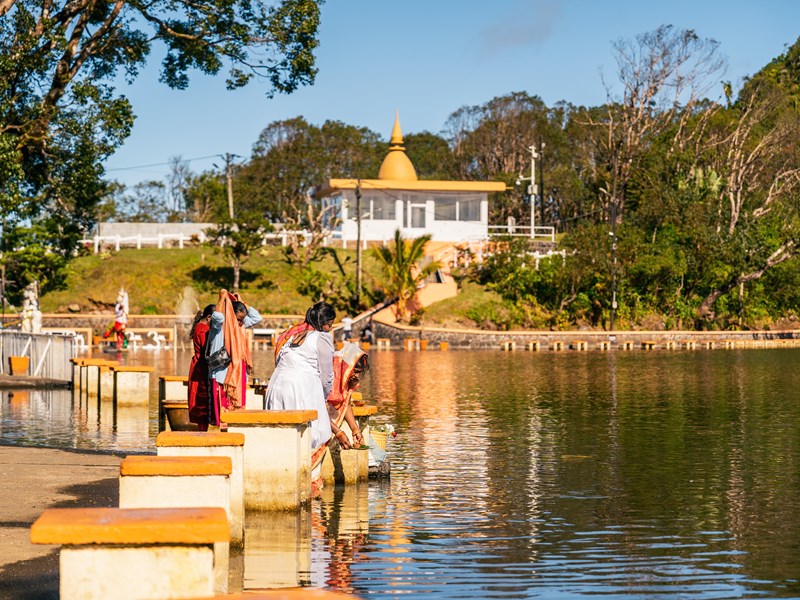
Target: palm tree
403	276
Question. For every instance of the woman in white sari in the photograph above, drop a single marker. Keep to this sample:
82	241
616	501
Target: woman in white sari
303	374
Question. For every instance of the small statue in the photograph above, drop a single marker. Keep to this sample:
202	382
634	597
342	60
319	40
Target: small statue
31	315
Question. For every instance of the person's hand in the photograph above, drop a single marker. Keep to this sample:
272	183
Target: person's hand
343	441
223	294
358	437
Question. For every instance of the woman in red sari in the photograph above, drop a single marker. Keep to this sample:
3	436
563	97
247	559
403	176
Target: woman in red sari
198	370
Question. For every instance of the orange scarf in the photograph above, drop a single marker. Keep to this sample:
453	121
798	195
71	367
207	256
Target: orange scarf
288	335
235	340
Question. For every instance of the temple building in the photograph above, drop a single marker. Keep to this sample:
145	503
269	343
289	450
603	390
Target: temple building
451	211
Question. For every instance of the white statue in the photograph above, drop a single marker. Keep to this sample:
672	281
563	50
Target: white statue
31	315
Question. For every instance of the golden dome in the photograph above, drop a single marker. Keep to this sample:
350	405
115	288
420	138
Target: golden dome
397	166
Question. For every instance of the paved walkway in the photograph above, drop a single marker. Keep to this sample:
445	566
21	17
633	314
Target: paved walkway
34	479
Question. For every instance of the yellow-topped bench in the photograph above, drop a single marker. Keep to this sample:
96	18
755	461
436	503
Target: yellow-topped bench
175	466
277	456
125	553
349	466
229	445
179	481
172	387
132	384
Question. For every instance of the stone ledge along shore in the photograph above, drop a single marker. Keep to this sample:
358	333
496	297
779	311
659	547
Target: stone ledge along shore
35	479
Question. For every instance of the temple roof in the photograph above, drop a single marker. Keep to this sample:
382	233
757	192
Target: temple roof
397	166
398	173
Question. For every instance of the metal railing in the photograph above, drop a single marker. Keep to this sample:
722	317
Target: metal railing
544	233
49	354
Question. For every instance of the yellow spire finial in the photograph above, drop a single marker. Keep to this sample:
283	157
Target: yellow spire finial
397	134
396	166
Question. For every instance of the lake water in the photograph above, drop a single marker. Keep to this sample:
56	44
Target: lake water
531	475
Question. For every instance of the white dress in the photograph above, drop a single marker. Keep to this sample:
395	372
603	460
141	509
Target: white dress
302	380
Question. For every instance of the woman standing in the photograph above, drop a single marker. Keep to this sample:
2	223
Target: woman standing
198	370
229	382
303	375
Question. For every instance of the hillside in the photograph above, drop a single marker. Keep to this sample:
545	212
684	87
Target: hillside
172	281
160	281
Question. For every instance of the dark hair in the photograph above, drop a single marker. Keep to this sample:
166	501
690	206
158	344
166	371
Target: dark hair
359	370
204	314
239	307
320	314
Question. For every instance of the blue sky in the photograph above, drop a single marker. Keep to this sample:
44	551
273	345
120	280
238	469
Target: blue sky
427	58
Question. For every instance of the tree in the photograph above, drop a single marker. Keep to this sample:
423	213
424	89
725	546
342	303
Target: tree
431	156
492	141
292	156
400	262
238	239
664	75
59	116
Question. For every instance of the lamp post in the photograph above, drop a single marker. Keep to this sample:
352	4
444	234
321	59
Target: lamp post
358	243
613	234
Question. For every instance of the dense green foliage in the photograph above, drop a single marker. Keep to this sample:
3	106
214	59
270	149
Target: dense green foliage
696	182
403	269
60	116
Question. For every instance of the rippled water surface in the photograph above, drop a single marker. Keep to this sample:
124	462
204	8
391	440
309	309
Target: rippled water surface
521	475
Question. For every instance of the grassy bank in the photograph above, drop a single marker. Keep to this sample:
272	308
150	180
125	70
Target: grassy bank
158	281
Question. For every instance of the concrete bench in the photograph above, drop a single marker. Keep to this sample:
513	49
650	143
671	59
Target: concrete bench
229	445
131	384
649	345
78	373
557	345
263	337
532	346
349	466
135	553
180	481
604	345
579	345
277	456
384	343
626	345
411	344
508	346
172	387
92	371
689	344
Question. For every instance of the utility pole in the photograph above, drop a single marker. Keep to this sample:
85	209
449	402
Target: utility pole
541	180
358	243
229	178
531	187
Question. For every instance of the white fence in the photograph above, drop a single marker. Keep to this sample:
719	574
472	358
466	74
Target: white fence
180	240
49	354
547	234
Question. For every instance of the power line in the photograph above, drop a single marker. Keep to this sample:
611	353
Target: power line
162	164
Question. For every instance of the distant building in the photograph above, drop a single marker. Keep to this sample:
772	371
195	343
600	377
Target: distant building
451	211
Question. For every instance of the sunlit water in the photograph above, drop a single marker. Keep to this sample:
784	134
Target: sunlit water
521	475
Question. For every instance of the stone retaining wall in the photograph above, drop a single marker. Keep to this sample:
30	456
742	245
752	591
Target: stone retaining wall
472	339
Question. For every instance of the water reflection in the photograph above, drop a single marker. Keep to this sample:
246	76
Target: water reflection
530	475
